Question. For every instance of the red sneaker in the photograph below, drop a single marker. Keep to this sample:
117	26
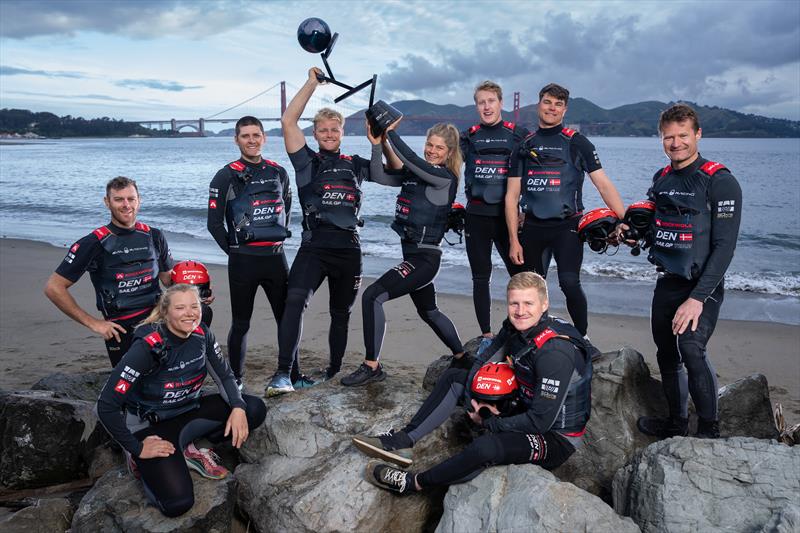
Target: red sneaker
204	462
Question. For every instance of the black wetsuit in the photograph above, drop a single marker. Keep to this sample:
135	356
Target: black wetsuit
328	185
698	213
551	197
487	151
241	195
426	194
155	390
549	422
124	274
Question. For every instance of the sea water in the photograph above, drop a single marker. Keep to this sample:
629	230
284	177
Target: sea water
51	190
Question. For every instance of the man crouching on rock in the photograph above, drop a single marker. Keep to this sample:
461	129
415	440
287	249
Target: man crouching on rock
553	369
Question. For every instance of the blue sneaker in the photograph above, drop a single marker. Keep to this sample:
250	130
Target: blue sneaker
279	384
303	382
485	342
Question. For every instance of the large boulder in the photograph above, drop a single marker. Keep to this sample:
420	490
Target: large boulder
688	484
300	472
45	440
745	409
525	498
46	515
117	503
85	386
622	391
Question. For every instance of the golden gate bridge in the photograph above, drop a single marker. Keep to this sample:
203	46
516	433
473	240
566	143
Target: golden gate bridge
273	111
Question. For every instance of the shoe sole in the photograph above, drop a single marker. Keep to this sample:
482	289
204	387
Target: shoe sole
270	393
202	471
373	379
380	453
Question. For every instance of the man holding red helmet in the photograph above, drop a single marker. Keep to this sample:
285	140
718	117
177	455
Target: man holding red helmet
538	419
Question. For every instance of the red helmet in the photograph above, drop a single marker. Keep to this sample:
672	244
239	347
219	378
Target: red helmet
193	273
494	382
595	226
639	215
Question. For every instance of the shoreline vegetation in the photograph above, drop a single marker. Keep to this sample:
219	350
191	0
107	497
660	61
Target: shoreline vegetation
632	120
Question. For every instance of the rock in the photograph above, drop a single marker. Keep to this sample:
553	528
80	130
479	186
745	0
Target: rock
438	366
525	498
745	409
301	473
622	391
688	484
47	515
117	503
84	386
104	458
45	440
786	520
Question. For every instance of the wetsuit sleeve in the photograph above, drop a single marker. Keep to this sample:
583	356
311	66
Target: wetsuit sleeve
122	382
463	143
217	200
556	365
81	257
165	261
301	161
221	373
584	154
436	176
287	195
725	197
378	173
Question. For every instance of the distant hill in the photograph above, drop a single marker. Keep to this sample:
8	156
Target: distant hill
631	120
22	121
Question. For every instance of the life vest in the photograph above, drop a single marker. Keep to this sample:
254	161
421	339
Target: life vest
575	411
487	162
256	214
681	229
333	198
173	387
127	279
551	183
417	219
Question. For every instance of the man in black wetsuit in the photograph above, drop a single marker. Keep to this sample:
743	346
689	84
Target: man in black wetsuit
694	232
125	260
553	368
546	181
329	187
248	215
487	148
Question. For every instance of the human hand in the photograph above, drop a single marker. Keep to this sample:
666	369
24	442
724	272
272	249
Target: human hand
515	253
236	426
314	75
107	329
393	125
475	415
372	139
209	300
154	446
688	313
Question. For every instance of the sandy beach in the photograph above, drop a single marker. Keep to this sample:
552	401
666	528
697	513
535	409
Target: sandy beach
36	339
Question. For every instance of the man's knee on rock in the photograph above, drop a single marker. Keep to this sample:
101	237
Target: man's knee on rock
255	411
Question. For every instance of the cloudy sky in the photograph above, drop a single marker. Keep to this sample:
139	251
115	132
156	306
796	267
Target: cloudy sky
143	59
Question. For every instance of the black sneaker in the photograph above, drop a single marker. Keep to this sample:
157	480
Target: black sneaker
390	478
363	375
663	428
464	362
393	446
707	429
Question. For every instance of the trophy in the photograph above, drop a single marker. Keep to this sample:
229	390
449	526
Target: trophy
315	37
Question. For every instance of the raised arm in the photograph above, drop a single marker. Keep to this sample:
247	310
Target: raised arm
434	175
293	137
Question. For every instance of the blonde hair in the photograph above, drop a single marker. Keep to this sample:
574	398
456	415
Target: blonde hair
326	113
450	136
159	312
528	280
488	85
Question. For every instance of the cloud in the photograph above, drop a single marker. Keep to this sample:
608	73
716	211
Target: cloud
141	19
159	85
101	97
16	71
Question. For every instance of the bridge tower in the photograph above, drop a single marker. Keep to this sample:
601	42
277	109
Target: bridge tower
283	98
174	125
202	129
516	106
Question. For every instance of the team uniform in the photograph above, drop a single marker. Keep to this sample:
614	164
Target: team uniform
155	390
551	163
426	193
487	154
694	232
123	265
248	216
329	187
